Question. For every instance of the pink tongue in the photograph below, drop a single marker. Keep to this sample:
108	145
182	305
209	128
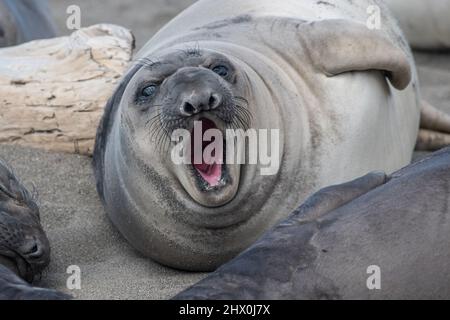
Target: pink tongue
211	173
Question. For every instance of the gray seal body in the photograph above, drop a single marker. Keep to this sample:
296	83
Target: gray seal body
342	96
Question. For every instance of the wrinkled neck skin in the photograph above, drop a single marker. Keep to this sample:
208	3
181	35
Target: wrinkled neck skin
145	199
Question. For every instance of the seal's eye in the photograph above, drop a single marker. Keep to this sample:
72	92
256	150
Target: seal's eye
221	70
149	91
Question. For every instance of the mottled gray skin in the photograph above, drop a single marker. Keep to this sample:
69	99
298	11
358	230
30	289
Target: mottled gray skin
24	247
323	250
24	20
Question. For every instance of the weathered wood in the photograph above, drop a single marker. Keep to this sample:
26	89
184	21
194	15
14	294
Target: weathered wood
52	92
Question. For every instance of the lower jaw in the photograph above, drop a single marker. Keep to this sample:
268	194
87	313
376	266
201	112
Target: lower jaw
204	186
215	195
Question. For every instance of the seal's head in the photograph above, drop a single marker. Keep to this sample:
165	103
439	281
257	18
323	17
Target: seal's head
175	92
197	214
24	246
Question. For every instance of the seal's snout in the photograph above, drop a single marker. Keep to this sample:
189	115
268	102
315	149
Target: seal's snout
198	102
34	251
197	90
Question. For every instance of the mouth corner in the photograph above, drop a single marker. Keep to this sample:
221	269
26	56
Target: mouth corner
18	266
21	266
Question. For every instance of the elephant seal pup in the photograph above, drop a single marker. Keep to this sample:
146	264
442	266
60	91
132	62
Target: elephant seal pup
24	247
325	249
343	98
24	20
23	243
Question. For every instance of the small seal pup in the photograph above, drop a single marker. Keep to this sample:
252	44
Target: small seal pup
24	247
22	239
344	99
334	244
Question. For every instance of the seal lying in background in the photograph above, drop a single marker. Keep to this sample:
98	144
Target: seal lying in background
24	20
426	23
323	250
345	99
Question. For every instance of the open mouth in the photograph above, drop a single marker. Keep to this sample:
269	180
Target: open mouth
207	160
206	176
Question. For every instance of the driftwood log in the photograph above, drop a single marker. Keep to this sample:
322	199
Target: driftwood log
52	92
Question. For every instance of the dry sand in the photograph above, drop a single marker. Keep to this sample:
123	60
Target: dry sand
72	214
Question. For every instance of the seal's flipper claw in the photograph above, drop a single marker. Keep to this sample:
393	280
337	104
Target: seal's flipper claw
429	140
435	128
434	119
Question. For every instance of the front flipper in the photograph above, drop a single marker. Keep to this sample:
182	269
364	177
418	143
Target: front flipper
434	129
281	252
14	288
354	47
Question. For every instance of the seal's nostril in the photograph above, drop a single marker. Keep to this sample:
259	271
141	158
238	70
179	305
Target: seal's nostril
214	101
34	249
200	102
188	108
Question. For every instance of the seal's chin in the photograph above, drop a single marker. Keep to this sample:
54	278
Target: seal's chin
208	179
